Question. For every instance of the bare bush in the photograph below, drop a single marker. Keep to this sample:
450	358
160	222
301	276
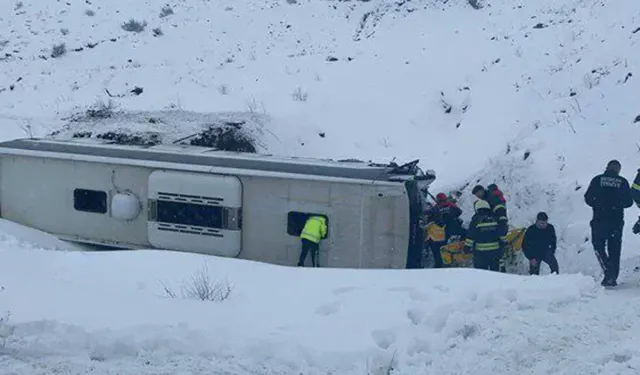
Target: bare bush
157	32
134	26
475	4
64	31
6	330
300	95
99	110
89	12
28	129
201	286
58	50
166	11
223	90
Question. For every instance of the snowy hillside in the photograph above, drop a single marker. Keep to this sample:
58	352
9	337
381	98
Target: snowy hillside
536	96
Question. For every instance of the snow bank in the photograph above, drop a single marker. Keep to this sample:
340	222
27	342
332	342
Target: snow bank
107	311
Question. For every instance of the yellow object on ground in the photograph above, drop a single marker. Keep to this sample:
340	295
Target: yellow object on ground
453	253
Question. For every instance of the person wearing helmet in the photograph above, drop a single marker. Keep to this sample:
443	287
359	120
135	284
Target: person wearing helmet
484	238
609	194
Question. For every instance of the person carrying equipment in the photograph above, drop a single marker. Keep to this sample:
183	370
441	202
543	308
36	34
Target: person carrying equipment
608	195
443	223
484	238
315	229
539	245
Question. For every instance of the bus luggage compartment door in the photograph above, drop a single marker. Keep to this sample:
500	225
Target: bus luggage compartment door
195	212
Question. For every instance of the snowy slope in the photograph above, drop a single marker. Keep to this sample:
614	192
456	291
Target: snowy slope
536	96
469	92
107	313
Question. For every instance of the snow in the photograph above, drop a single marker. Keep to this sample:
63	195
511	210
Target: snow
106	312
536	96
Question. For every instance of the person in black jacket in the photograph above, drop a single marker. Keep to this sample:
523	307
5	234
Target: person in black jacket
484	238
608	194
539	245
635	192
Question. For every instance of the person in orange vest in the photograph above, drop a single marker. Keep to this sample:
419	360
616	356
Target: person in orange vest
315	229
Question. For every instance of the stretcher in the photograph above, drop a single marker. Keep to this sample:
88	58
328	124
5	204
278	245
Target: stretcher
453	254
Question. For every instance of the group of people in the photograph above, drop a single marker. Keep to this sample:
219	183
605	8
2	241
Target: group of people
608	194
486	236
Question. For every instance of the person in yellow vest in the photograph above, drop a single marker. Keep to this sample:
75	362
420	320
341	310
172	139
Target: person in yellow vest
315	229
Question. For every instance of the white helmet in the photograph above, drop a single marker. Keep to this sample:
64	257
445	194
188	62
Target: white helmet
480	204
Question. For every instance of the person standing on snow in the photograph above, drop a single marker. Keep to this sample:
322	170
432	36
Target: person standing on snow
608	195
442	224
315	229
498	203
539	245
635	192
449	213
484	238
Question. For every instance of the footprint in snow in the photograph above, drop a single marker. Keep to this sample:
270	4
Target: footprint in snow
344	290
413	293
383	338
415	316
329	308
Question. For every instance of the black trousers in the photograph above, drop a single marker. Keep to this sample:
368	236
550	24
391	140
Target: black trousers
437	255
308	246
549	259
487	260
606	237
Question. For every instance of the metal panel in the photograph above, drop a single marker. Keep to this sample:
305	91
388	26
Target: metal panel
195	212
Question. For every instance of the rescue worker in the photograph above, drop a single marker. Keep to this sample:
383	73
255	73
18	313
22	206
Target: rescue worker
480	193
608	194
443	223
315	229
435	238
539	245
635	192
498	203
449	213
484	238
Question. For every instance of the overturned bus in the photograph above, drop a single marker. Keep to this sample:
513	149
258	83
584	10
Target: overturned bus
202	200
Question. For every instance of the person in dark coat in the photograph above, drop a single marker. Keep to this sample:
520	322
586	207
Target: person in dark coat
449	214
609	194
484	238
635	189
635	192
539	245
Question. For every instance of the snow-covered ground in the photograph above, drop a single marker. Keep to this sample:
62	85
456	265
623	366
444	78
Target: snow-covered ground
536	96
78	312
